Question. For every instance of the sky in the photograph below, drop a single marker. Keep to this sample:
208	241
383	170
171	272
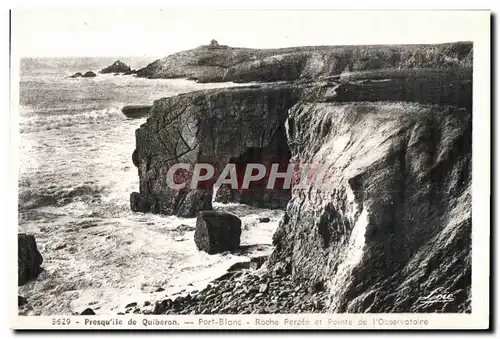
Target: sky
162	32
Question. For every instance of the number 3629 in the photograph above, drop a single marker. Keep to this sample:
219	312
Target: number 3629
61	322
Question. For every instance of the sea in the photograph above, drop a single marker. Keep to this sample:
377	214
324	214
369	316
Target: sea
75	178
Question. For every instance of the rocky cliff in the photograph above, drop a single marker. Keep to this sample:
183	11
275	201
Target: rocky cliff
396	224
393	228
239	125
207	64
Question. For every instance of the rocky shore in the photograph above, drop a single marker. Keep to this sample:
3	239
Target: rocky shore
243	292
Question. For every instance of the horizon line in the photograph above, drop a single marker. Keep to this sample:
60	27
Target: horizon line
239	47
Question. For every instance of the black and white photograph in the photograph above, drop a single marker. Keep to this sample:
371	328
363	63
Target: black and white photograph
211	163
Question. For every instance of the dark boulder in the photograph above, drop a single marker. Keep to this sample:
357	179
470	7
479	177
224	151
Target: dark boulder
89	74
116	67
217	232
76	75
135	161
29	259
412	213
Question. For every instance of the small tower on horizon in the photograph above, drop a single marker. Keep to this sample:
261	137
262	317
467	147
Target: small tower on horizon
214	43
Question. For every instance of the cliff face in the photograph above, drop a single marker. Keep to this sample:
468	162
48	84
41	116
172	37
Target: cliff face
397	223
207	64
394	225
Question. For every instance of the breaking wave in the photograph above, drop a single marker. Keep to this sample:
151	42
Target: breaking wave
30	198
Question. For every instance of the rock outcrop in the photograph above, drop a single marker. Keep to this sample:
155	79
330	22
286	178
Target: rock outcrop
89	74
76	75
215	64
394	225
117	67
29	259
217	232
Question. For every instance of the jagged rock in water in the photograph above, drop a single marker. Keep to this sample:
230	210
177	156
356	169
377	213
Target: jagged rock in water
218	127
217	232
89	74
395	225
226	195
76	75
29	259
117	67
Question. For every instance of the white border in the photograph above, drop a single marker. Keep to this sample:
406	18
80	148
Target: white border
481	176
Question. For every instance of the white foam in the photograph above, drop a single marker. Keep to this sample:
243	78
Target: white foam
48	122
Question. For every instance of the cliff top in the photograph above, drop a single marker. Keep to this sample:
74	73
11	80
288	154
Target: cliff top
215	63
